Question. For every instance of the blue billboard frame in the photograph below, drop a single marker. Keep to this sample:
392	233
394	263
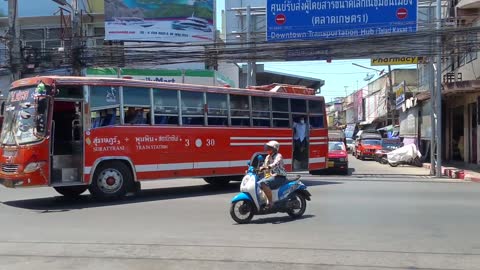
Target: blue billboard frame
330	19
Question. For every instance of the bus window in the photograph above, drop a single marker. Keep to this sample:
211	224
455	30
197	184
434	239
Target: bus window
280	112
298	105
136	105
102	96
315	106
192	108
261	111
316	121
240	110
217	109
105	117
165	104
105	104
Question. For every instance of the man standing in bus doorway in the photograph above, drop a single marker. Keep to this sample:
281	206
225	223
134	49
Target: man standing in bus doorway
300	143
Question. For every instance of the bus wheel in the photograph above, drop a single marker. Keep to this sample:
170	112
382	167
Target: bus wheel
111	180
217	181
72	191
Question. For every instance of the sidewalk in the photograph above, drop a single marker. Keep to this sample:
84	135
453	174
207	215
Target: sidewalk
459	170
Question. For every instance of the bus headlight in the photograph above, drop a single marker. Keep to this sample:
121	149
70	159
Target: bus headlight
33	166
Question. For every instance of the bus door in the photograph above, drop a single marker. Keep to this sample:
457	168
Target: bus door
66	145
300	143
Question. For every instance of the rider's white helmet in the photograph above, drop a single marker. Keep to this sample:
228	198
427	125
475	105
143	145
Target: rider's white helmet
273	144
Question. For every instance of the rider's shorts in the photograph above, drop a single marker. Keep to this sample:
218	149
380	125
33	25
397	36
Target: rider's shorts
274	182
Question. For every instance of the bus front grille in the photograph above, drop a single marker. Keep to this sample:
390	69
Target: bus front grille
9	168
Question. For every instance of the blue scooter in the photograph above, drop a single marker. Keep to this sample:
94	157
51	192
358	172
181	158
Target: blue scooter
290	198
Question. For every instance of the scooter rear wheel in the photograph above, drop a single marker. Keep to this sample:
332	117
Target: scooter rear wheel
300	210
242	211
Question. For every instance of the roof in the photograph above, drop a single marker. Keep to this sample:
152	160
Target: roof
268	77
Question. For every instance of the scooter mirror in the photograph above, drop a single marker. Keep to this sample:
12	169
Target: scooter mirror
260	158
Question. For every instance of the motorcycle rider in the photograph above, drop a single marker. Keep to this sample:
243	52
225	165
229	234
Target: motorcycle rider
274	163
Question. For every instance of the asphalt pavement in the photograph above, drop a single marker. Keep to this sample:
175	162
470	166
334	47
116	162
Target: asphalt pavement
372	222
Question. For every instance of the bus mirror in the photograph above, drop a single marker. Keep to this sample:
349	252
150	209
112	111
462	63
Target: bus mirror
42	113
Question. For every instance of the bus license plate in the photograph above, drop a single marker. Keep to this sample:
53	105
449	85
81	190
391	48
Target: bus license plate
331	164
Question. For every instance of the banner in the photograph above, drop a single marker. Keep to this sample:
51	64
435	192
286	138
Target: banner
159	20
399	91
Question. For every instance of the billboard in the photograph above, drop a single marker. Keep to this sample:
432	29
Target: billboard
327	19
159	20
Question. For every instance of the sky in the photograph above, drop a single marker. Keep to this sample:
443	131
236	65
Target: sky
341	76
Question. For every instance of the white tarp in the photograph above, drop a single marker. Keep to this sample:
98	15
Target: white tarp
405	153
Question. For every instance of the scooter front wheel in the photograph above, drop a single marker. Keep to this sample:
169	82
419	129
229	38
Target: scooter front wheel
297	205
242	211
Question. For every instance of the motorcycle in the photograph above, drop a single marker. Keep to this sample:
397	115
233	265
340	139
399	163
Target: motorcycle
407	154
291	198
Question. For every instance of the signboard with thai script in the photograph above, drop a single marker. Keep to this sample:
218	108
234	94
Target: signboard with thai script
329	19
399	91
405	60
158	20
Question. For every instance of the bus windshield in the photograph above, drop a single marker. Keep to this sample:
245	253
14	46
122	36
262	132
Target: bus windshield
19	118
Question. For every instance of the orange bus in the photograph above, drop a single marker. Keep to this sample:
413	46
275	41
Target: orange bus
107	135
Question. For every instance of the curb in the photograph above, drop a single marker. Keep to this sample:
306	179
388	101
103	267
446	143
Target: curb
455	173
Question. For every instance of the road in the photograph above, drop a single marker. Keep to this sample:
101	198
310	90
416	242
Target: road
352	222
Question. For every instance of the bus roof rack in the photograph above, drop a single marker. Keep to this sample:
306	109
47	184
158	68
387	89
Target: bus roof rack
284	88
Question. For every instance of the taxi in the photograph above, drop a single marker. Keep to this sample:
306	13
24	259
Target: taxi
337	156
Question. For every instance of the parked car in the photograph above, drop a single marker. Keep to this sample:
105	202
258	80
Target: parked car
350	145
337	156
367	144
388	145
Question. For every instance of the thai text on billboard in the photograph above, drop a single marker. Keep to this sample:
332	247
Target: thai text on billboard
159	20
329	19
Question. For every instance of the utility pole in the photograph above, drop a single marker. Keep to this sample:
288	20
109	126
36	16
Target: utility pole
251	65
438	98
76	44
390	107
14	41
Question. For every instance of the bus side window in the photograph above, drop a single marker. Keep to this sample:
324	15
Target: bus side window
137	105
240	110
280	112
192	108
165	107
217	109
316	110
261	111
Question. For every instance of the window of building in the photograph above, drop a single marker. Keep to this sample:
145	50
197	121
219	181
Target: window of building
165	105
240	110
217	111
261	111
280	112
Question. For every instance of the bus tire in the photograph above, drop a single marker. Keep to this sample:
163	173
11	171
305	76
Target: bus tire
111	180
71	191
217	181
